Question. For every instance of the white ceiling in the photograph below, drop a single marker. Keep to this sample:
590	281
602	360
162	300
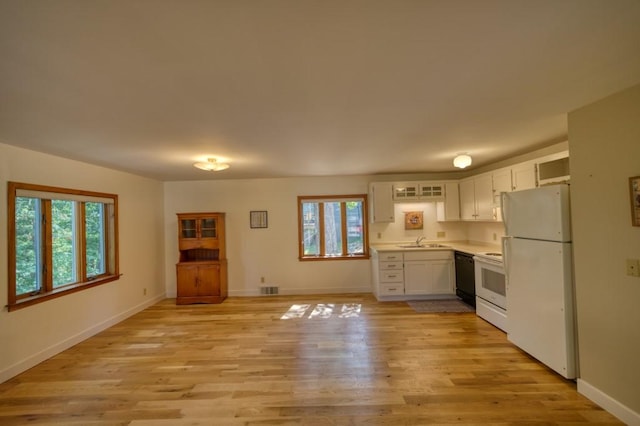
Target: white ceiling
301	87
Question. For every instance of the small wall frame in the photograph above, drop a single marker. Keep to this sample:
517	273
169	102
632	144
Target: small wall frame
413	220
634	192
258	219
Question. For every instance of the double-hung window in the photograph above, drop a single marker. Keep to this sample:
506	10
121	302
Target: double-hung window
60	241
333	227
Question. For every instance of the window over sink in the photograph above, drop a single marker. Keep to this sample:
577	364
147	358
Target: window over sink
332	227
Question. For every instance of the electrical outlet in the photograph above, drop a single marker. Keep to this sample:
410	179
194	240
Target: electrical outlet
144	291
379	235
495	236
441	234
262	280
633	267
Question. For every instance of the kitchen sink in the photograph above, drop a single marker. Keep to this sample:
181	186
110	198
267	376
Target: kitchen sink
414	245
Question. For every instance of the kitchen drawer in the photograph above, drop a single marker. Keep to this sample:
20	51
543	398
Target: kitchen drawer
390	265
429	255
391	276
391	289
390	257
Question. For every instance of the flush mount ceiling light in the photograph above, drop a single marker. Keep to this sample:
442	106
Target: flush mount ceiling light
211	165
462	161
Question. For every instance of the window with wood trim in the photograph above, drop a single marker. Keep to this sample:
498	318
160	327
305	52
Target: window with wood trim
333	227
60	241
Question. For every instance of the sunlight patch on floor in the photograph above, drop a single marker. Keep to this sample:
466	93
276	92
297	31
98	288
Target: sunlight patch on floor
350	310
323	311
295	311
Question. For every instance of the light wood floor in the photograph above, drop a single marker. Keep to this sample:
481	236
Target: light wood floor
239	363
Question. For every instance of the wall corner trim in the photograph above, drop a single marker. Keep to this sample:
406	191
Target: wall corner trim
621	411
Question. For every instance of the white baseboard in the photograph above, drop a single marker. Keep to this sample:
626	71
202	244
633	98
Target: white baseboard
302	291
621	411
47	353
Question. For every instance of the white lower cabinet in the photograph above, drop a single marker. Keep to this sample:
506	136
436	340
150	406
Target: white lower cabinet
415	273
417	277
388	273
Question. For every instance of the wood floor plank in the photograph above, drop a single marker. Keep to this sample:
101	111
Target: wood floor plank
332	360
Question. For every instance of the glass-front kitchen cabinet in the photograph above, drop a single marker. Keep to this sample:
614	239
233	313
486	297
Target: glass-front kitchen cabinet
202	267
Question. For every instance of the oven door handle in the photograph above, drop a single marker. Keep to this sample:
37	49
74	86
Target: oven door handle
506	253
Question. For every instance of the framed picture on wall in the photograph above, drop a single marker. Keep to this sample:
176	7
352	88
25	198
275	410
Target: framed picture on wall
634	190
258	219
413	220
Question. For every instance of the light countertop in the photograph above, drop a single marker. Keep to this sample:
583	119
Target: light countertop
470	247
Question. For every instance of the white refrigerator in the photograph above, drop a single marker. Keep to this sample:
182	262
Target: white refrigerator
538	267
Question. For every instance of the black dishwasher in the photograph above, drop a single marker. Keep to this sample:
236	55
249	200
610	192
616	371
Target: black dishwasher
465	278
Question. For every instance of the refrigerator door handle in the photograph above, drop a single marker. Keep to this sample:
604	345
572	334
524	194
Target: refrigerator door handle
504	202
506	247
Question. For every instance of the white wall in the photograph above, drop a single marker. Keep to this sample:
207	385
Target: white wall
486	232
605	151
32	334
271	253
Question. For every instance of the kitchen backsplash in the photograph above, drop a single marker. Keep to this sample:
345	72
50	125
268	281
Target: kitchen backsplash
432	230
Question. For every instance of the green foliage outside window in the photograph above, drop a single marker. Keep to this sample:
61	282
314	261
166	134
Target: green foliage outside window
64	242
60	241
27	242
95	239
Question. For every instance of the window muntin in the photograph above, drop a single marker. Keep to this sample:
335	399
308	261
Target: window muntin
61	241
332	227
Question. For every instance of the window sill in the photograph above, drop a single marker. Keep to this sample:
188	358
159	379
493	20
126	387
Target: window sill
68	289
321	258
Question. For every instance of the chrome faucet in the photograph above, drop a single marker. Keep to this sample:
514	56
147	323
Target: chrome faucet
419	240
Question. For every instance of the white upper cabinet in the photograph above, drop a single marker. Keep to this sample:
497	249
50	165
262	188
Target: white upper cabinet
553	168
467	199
523	176
431	191
405	191
381	202
501	183
413	191
473	198
476	198
449	209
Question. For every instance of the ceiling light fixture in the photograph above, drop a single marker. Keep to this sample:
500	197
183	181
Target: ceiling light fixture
462	161
211	165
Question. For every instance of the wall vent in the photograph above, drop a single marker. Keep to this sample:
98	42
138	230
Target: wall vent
268	289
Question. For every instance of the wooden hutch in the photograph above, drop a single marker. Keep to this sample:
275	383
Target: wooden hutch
202	268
